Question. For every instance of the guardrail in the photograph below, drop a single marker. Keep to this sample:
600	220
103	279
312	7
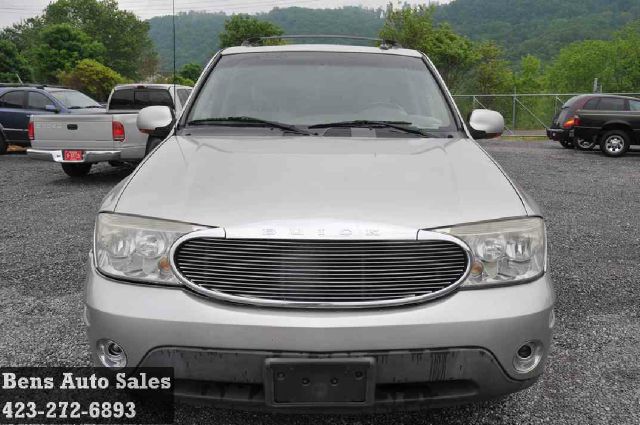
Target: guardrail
527	111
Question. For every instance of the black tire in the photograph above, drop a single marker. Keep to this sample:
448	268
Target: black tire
76	170
4	146
152	143
566	144
615	143
584	145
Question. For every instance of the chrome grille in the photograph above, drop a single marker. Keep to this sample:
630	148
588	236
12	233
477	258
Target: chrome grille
330	273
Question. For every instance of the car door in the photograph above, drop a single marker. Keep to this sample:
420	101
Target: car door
12	116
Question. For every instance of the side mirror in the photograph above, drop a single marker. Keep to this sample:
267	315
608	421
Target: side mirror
155	120
51	108
486	124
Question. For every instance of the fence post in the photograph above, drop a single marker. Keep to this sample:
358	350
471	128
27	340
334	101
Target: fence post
513	125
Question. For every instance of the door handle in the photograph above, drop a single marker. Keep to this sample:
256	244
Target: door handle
72	126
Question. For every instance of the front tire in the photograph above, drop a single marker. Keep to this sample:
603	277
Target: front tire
615	143
76	170
566	144
584	144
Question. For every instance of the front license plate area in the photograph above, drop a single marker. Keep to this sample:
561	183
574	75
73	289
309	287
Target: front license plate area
73	155
320	382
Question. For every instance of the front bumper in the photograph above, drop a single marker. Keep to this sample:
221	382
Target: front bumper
89	156
456	349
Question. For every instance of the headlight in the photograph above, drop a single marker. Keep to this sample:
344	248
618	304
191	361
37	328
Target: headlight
136	248
507	251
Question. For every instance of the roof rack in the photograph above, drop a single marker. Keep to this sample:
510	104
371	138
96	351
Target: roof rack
36	86
385	44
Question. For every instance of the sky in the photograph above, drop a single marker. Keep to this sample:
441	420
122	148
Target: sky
13	11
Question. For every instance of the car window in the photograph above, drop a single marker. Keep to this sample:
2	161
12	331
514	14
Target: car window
136	99
611	104
634	105
74	99
13	99
183	95
310	88
144	98
592	104
37	101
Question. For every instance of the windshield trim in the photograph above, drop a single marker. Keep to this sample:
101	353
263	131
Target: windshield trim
457	124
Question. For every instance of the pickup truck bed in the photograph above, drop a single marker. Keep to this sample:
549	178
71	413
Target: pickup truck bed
94	135
78	141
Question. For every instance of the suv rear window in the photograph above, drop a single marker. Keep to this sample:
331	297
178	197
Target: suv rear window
136	99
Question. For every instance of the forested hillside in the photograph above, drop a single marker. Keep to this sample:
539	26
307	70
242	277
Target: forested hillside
197	32
538	27
521	27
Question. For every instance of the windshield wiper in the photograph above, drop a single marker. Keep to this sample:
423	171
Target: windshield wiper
236	121
397	125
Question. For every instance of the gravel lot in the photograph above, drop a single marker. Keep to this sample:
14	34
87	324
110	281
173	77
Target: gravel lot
592	204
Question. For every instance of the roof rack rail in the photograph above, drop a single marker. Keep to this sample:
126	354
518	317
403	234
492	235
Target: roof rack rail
385	44
37	86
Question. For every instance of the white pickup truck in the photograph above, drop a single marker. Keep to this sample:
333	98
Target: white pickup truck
79	141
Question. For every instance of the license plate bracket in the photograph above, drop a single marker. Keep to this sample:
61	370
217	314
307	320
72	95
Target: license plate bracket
73	155
336	382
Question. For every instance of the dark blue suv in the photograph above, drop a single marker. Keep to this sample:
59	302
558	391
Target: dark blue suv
19	102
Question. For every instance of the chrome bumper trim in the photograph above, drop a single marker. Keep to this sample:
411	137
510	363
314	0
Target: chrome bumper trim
89	156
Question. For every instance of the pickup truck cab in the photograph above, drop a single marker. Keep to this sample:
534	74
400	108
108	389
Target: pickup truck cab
19	102
613	122
77	142
320	231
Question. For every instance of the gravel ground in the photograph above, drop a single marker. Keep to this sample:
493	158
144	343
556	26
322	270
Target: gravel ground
593	212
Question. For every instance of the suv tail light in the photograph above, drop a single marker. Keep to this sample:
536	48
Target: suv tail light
572	122
32	131
117	131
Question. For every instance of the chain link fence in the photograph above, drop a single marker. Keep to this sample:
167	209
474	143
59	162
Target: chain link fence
530	112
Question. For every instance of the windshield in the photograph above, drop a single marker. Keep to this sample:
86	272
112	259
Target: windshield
315	88
75	99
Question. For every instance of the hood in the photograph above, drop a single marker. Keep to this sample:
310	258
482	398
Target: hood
244	184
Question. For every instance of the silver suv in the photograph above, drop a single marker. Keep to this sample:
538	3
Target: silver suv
319	230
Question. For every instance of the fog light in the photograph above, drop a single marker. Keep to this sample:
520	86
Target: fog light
111	354
528	357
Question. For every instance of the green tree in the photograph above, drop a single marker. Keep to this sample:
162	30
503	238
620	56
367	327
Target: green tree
190	71
92	78
242	27
126	37
490	74
60	49
530	77
413	27
13	64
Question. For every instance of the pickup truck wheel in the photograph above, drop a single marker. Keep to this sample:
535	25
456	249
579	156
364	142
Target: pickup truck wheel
584	144
3	146
76	170
615	143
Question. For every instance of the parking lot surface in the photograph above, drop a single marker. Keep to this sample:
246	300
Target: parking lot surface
592	206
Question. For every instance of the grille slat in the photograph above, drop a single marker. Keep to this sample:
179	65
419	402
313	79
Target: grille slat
332	272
